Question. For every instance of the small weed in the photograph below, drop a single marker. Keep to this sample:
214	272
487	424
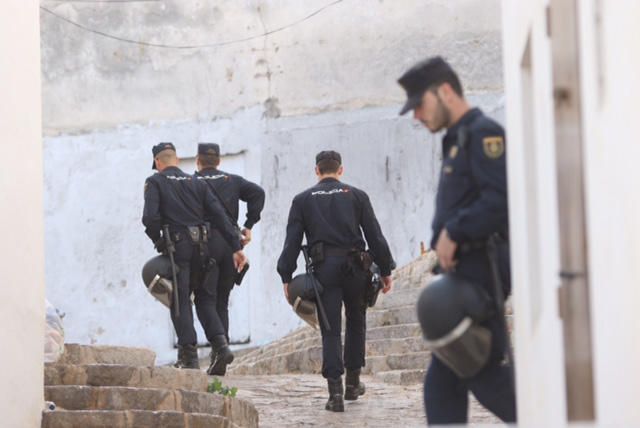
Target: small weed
217	386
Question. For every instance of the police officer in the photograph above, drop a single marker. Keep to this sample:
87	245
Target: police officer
229	189
174	198
471	206
333	216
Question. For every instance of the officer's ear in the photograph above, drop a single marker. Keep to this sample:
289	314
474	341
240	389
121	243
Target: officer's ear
318	172
340	171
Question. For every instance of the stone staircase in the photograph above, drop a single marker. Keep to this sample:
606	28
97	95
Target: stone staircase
98	386
396	352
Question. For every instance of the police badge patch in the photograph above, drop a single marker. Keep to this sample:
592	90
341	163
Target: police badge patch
493	147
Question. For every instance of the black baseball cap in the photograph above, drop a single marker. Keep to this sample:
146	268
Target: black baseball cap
420	77
328	155
160	148
209	149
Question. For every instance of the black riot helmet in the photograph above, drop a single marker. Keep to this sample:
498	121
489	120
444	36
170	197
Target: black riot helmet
446	301
450	309
156	275
302	298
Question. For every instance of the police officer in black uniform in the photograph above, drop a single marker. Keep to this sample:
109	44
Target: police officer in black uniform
174	198
471	206
333	216
229	189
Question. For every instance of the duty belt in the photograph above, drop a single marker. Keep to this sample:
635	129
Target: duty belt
336	251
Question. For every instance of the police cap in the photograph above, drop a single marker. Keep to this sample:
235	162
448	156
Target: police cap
420	77
209	149
328	155
159	148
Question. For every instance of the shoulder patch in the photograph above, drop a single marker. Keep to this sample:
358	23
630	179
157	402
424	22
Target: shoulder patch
493	146
146	186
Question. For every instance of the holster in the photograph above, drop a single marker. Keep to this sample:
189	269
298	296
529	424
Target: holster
199	234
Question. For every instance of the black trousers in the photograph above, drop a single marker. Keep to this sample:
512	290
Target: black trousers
222	277
204	285
446	395
342	285
187	258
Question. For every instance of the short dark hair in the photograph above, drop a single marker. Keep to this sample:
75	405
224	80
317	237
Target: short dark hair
328	166
209	160
452	79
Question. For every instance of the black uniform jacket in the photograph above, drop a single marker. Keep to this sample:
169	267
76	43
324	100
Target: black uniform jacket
175	198
336	214
231	189
471	202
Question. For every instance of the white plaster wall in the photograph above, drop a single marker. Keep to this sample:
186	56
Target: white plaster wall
348	56
326	82
611	90
22	314
533	219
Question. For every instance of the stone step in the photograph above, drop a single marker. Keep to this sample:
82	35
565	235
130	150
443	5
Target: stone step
83	354
135	419
397	315
374	347
395	331
401	377
309	360
301	334
147	399
395	346
131	376
406	297
384	363
312	339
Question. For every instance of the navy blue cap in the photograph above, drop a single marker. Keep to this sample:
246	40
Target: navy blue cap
159	148
328	155
420	77
209	149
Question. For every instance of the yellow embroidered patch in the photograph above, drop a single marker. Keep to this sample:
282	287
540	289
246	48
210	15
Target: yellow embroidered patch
493	147
453	152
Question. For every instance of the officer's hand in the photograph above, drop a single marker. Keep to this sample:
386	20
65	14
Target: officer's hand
239	260
387	282
160	245
246	233
286	290
446	251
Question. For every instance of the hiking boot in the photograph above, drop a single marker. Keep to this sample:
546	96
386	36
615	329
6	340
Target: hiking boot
353	387
335	403
221	356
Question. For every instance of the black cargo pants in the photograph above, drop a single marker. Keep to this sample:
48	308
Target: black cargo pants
342	284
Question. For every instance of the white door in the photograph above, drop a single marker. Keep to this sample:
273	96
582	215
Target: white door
239	310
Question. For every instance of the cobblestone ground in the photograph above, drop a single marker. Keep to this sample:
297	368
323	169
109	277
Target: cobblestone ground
297	400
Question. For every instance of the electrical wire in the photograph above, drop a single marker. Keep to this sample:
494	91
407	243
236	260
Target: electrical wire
199	46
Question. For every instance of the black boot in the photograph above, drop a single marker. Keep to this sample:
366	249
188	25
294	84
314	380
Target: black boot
353	387
335	403
187	357
221	356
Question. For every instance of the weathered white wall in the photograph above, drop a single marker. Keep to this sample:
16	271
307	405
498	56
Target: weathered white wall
328	81
533	217
22	256
611	89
